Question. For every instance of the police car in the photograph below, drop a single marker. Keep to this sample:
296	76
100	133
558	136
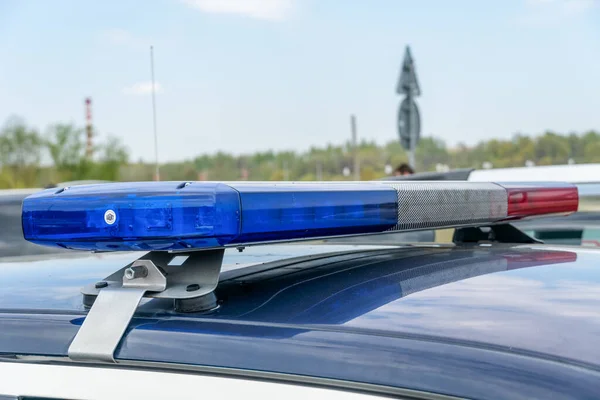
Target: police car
226	290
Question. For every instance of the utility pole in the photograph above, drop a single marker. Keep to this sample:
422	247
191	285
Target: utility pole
410	123
157	171
356	165
89	148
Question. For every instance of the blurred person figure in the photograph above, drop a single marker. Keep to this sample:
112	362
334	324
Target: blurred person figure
403	170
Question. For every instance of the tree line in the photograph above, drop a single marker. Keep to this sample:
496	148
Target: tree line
29	158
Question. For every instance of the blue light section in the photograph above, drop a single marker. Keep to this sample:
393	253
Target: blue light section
148	216
174	216
289	211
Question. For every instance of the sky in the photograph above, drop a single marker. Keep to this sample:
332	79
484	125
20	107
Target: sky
253	75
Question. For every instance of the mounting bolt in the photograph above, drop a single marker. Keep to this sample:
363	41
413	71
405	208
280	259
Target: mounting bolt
138	271
192	288
100	285
110	217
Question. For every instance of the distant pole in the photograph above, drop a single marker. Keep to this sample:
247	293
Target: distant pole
356	166
157	172
412	132
88	128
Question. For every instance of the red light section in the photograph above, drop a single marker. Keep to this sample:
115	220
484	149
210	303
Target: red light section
525	200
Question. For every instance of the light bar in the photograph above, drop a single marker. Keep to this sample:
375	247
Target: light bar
197	215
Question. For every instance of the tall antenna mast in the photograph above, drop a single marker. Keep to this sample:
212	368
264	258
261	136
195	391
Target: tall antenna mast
157	172
356	165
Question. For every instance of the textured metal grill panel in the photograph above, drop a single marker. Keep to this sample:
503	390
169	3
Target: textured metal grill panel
423	205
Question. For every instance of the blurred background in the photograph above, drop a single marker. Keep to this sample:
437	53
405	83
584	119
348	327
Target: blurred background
265	89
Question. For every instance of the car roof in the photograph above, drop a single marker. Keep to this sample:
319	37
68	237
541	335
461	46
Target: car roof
575	173
16	193
12	242
338	311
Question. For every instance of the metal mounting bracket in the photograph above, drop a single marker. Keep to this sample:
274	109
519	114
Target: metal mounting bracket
114	300
500	233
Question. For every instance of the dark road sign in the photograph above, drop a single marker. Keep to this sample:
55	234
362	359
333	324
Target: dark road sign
408	82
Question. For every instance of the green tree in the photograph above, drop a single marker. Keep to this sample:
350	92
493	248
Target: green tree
551	148
113	155
20	153
66	146
588	149
20	145
524	150
430	152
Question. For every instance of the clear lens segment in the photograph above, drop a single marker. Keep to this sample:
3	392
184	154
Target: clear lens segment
197	215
